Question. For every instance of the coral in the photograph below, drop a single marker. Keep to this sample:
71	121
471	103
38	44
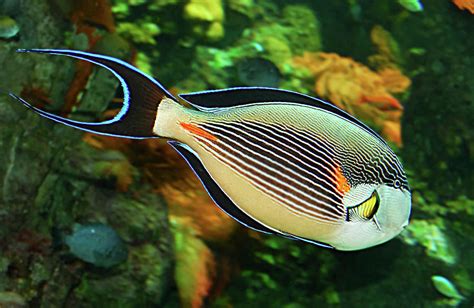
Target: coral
296	30
276	37
465	5
186	199
140	31
359	90
303	30
46	182
118	167
207	17
277	50
394	81
148	216
95	12
388	52
245	7
191	253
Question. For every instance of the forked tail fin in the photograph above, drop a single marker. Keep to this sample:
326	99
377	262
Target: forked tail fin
142	95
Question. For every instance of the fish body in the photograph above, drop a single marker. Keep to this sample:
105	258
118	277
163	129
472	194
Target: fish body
412	5
278	162
8	27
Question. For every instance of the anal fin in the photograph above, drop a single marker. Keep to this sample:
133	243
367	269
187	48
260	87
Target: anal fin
215	192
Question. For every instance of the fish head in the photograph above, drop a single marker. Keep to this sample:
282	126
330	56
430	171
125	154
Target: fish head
375	215
394	209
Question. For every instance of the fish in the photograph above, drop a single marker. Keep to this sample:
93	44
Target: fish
412	5
258	72
446	287
277	161
8	27
97	244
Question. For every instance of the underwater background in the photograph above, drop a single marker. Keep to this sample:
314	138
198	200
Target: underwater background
92	221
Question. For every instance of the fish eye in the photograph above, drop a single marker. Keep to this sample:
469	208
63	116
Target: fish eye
365	210
397	183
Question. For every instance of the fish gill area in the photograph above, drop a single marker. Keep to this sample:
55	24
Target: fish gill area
93	221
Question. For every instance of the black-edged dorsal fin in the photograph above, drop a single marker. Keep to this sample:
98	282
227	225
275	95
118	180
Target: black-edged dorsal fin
216	99
142	95
215	192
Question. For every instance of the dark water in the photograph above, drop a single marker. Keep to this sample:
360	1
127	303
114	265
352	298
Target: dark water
405	68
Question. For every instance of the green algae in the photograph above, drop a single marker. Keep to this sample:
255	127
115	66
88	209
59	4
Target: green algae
145	264
431	236
141	32
11	299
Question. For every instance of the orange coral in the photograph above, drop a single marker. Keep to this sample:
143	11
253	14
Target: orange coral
359	90
187	199
195	264
94	12
393	80
465	5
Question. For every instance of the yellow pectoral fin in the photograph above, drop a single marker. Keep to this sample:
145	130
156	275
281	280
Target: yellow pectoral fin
368	208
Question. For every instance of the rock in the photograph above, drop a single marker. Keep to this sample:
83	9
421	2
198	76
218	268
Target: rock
97	244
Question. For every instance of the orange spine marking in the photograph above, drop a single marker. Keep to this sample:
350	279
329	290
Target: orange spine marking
196	130
341	182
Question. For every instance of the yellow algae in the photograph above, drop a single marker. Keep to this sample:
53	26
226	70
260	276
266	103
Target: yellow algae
208	17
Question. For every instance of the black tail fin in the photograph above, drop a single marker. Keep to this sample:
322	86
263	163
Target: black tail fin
142	95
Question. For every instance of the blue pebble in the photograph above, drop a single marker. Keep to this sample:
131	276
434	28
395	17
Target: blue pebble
97	244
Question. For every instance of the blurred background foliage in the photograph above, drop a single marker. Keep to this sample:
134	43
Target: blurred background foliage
95	221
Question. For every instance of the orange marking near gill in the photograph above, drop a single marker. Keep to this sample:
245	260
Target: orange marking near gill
196	130
342	184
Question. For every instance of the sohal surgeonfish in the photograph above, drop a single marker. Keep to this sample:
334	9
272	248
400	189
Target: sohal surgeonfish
279	162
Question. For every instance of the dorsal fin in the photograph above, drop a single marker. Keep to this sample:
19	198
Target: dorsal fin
217	99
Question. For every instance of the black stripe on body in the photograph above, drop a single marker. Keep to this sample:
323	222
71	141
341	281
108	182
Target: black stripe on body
261	95
280	157
366	165
279	168
311	152
214	191
266	184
